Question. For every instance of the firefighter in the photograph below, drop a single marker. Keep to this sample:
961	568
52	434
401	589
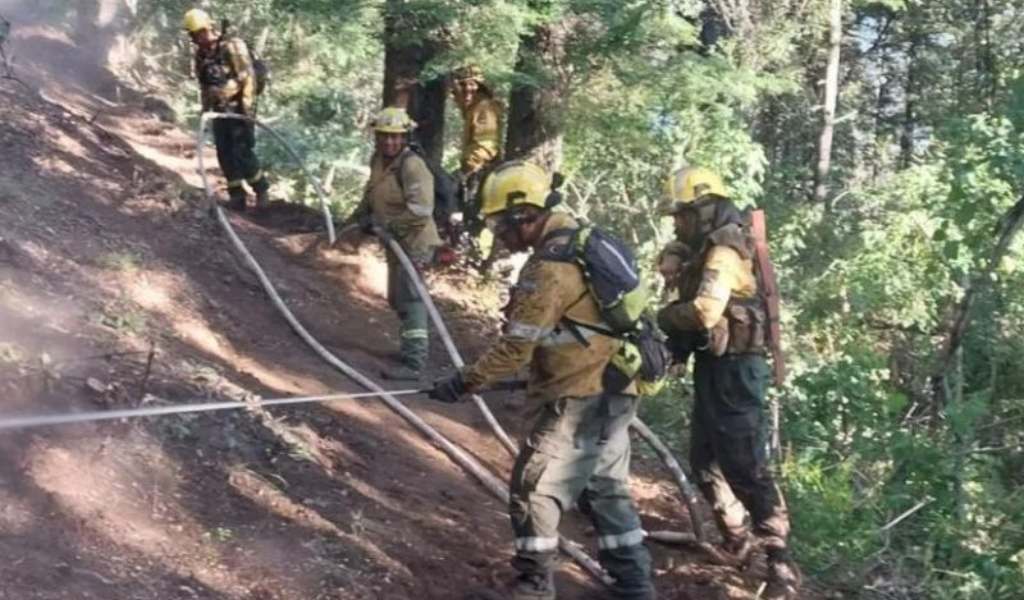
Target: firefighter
481	119
482	114
721	317
228	83
399	198
578	447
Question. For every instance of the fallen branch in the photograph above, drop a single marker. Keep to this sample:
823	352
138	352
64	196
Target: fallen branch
906	514
678	538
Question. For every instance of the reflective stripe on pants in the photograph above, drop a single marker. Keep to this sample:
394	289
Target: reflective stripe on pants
564	460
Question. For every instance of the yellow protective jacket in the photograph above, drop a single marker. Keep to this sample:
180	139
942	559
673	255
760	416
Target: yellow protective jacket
403	202
560	366
707	286
481	133
226	77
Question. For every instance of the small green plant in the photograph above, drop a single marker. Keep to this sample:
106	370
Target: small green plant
126	261
122	317
220	534
10	354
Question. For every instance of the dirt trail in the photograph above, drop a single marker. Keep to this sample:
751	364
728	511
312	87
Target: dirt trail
105	261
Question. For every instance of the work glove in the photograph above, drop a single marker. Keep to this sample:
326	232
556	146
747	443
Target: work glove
448	389
681	347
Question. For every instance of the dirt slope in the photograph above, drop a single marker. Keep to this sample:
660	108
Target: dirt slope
117	291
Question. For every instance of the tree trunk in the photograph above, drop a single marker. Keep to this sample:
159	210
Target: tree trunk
831	94
403	67
1009	225
537	104
910	107
986	74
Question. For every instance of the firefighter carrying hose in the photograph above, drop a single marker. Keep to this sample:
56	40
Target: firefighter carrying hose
229	83
399	198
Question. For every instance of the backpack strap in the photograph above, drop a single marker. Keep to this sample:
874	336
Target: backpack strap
576	325
401	164
567	253
559	252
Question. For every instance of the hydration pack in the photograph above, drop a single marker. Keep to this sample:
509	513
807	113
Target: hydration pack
613	280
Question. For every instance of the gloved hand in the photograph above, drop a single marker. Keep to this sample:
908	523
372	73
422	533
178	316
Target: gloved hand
448	389
681	347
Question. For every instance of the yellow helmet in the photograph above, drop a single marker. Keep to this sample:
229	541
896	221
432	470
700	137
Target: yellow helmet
690	184
468	72
197	20
515	183
393	119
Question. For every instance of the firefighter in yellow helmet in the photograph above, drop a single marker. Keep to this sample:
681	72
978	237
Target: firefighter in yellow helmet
228	82
399	198
577	449
482	115
720	317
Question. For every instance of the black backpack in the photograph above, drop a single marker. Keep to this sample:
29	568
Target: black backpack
613	280
445	188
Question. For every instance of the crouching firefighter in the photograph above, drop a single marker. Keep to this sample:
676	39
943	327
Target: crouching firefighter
399	198
722	316
578	447
228	83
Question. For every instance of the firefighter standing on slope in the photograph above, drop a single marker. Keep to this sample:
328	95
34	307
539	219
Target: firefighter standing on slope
399	198
722	318
578	446
481	145
228	84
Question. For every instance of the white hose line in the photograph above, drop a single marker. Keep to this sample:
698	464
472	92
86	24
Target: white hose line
685	488
442	330
664	453
321	193
486	478
26	421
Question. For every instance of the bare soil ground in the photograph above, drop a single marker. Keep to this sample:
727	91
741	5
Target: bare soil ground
116	290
